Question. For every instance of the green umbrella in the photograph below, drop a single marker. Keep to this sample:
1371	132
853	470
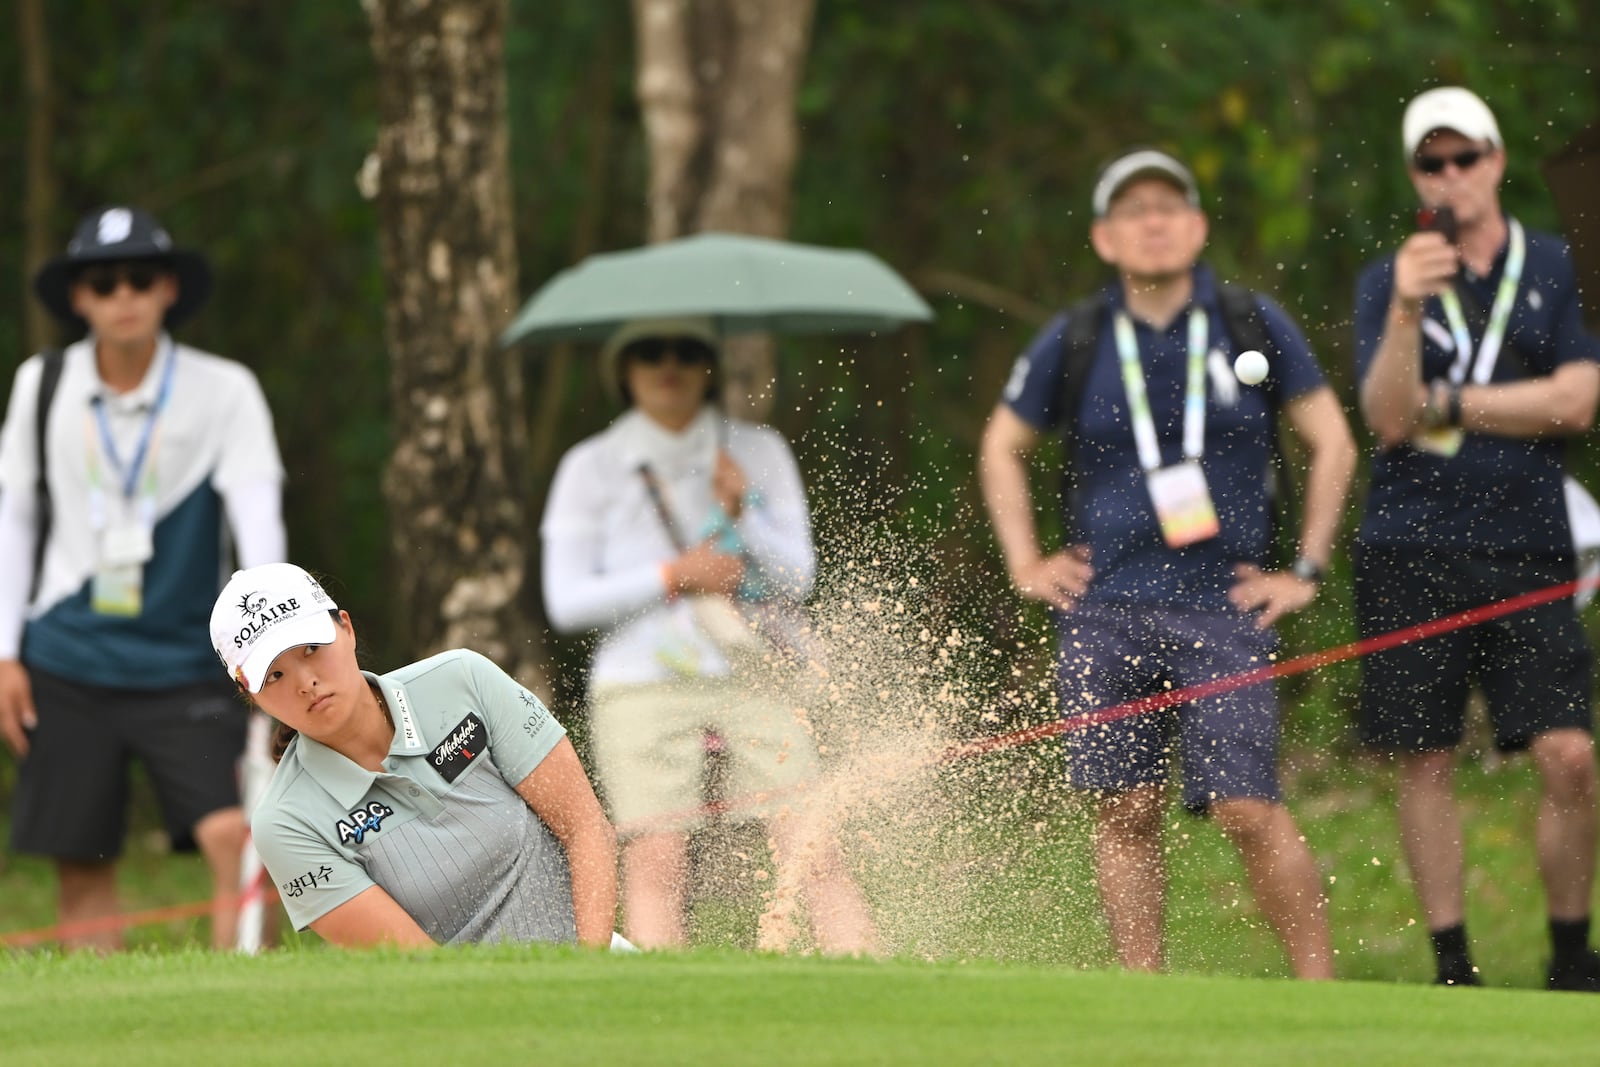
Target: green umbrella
745	284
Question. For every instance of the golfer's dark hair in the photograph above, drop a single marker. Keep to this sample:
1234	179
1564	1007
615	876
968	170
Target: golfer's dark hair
281	734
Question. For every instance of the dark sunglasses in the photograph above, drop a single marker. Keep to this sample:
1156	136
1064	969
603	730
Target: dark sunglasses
104	278
1465	159
686	351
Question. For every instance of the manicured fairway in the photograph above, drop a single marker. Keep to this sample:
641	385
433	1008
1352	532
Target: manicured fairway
558	1007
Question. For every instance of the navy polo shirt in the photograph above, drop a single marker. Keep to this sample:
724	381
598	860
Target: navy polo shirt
1497	494
1110	505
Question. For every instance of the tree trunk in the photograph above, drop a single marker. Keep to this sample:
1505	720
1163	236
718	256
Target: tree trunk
39	186
717	81
455	480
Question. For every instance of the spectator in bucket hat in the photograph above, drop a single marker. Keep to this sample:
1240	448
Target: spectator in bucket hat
122	457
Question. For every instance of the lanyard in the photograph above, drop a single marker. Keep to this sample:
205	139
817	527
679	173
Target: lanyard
1194	404
1494	334
128	475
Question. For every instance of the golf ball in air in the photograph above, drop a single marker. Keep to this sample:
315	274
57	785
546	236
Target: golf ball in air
1251	367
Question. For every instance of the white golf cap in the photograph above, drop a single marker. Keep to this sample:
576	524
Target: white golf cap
1448	108
1144	163
264	611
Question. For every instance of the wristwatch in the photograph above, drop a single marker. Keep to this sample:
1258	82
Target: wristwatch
1306	570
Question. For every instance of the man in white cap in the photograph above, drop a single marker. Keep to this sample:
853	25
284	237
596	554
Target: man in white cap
129	463
1474	370
1165	581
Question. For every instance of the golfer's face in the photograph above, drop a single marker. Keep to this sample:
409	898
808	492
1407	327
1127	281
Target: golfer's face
315	688
1150	231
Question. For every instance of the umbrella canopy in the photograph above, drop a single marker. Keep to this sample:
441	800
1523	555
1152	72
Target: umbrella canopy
745	284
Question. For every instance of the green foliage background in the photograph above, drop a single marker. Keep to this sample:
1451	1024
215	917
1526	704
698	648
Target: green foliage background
957	140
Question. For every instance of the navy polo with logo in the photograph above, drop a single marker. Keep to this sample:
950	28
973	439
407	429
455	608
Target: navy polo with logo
1111	505
1497	494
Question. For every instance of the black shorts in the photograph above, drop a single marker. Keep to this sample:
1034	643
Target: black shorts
72	788
1534	665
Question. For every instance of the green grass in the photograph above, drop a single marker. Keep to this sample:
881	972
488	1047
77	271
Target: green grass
564	1007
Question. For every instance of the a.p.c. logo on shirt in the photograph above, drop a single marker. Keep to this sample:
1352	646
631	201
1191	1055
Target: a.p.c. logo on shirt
353	828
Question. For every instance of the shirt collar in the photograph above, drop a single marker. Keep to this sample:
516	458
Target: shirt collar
1497	265
1205	293
344	779
141	397
639	439
408	739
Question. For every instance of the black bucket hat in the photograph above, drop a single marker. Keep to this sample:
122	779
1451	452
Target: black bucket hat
117	233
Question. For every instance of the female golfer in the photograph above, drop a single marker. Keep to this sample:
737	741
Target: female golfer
437	804
666	532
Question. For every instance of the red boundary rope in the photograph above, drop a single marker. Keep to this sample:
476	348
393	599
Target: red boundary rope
966	750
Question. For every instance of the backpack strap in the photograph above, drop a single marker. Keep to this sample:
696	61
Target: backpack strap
1082	335
44	508
1085	320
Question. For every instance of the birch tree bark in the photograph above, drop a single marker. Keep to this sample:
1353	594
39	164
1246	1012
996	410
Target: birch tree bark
717	82
454	485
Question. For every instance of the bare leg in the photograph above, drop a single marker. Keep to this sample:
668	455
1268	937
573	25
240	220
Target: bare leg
1133	874
1430	835
220	838
1567	820
655	872
840	920
87	892
1283	879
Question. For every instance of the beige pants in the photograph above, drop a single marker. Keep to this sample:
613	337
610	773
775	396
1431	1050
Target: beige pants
649	751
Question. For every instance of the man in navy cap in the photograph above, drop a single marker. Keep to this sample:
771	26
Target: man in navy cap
1165	582
129	466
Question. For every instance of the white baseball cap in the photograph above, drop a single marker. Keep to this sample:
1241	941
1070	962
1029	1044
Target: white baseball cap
264	611
1448	108
1144	163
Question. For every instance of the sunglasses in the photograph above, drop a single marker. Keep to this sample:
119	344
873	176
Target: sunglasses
1465	159
686	351
104	278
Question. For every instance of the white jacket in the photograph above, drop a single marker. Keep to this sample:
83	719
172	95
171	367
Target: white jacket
604	543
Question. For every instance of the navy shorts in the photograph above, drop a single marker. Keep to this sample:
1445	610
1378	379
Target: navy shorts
1227	742
1534	666
71	798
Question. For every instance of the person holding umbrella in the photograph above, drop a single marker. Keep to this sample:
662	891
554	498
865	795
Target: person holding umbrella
671	532
128	464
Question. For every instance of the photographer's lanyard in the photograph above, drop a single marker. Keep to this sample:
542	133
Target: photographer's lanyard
1179	493
1194	403
127	474
1499	315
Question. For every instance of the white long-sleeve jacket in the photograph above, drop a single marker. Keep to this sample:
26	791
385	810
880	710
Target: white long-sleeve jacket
605	544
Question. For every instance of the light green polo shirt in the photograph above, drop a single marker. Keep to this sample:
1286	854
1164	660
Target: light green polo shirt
442	828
